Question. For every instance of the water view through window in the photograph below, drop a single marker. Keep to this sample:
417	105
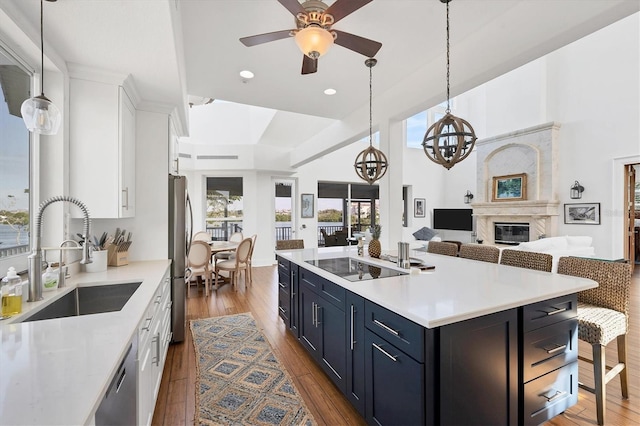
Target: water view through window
14	160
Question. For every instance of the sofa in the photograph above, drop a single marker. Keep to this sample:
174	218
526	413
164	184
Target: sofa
423	236
559	247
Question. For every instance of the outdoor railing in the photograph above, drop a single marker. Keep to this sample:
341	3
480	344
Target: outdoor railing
14	250
223	231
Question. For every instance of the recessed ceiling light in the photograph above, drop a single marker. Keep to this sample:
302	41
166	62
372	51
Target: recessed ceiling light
330	92
246	74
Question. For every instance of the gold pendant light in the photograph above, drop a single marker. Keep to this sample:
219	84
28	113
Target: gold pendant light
39	114
450	139
371	164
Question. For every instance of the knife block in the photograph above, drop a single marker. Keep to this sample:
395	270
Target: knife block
118	254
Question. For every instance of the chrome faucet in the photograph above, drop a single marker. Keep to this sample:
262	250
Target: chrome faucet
62	264
35	258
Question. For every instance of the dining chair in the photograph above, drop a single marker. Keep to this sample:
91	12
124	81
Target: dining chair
526	259
236	237
236	265
603	315
479	252
440	247
289	244
254	237
199	262
202	236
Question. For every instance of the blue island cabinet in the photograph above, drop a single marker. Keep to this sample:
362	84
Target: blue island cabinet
322	324
355	391
288	307
513	367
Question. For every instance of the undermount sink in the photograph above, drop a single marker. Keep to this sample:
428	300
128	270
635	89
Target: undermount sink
87	301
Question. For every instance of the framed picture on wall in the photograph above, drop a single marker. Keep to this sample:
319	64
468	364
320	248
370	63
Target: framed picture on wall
582	213
509	188
307	205
419	207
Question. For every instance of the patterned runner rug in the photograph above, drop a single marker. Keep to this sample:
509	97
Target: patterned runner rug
239	379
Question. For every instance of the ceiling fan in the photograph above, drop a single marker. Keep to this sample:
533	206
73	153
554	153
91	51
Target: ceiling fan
314	34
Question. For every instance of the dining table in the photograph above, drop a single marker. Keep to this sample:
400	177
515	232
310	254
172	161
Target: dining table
219	247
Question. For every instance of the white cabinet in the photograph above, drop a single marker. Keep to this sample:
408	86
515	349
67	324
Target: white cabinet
154	334
102	146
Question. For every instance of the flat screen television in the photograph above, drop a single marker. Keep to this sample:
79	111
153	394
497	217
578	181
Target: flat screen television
453	219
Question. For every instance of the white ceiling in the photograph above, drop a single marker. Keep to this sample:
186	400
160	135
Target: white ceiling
177	47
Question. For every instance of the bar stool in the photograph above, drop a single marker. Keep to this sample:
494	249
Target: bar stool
527	259
603	315
440	247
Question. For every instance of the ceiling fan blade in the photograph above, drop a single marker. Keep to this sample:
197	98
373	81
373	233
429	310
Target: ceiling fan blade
293	6
358	44
342	8
309	66
265	38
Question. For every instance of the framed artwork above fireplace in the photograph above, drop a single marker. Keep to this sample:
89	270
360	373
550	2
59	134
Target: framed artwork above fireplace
509	188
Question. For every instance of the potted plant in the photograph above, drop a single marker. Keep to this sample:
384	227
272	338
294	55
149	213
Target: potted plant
374	245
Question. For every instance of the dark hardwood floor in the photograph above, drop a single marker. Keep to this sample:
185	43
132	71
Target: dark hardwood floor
176	400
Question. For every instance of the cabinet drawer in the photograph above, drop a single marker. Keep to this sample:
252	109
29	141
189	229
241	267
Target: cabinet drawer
397	330
283	306
333	293
549	312
283	266
549	348
550	394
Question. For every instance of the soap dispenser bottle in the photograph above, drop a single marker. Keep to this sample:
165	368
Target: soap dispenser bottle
11	294
49	280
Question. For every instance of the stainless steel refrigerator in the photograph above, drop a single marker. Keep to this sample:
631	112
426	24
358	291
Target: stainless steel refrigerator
180	231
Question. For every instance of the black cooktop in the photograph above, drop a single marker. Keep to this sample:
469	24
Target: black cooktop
354	270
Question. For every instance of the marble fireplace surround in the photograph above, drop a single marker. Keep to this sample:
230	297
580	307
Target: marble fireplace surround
533	151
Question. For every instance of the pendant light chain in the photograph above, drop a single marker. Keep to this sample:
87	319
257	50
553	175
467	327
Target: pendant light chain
450	139
370	106
42	47
448	110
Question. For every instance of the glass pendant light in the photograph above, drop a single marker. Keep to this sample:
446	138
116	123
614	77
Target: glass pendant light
40	115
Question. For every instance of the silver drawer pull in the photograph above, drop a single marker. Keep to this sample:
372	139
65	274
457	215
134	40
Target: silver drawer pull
394	358
557	311
281	310
148	324
558	394
558	348
281	285
386	327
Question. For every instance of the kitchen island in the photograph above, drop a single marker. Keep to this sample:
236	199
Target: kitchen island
57	371
466	343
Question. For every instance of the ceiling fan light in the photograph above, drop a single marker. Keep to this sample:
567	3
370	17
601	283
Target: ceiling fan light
40	115
314	41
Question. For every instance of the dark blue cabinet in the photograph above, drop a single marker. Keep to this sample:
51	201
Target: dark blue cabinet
355	386
288	298
395	391
479	371
322	325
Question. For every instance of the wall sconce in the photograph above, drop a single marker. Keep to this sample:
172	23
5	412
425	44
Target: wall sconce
468	197
576	191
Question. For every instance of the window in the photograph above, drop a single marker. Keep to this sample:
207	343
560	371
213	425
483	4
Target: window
224	207
416	126
15	156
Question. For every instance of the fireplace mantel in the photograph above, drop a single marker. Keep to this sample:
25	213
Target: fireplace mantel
541	215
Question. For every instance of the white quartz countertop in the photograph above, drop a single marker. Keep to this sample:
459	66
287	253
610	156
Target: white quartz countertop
456	290
56	372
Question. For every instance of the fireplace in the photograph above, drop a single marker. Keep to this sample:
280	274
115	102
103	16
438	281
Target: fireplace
534	152
511	233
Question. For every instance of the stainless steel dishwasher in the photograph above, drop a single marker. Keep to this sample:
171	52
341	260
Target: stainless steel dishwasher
118	408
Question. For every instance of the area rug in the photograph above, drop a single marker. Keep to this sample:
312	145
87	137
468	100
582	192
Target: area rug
239	379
